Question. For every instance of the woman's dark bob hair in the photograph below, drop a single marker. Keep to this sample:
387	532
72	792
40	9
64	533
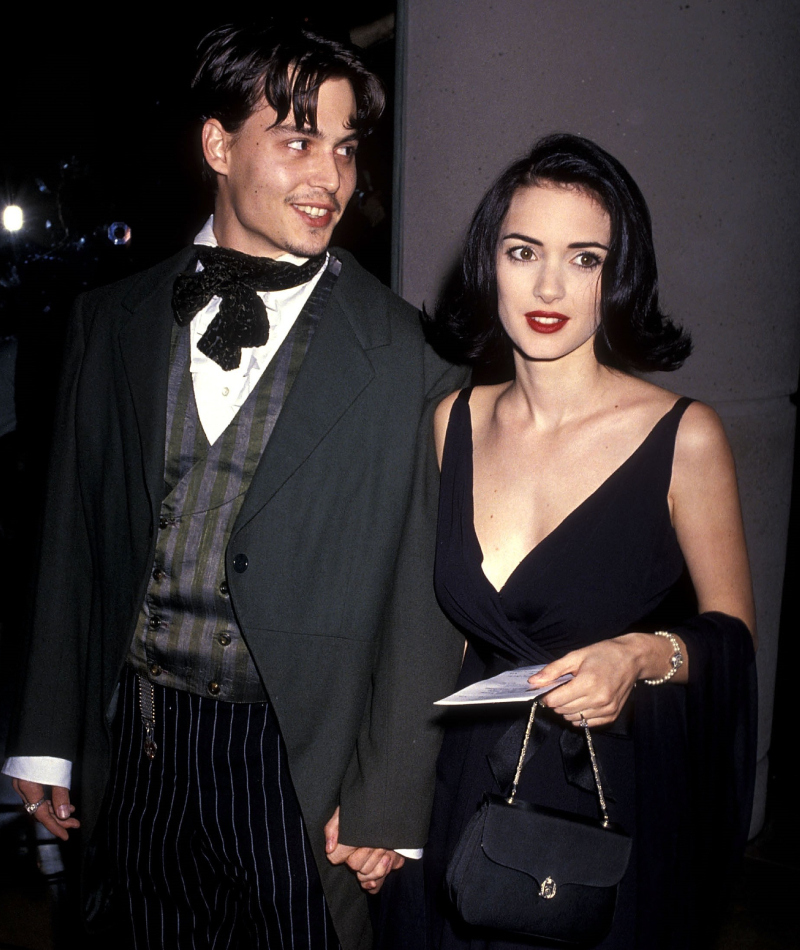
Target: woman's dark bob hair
633	335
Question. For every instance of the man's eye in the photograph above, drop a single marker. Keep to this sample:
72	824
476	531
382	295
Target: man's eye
347	151
300	144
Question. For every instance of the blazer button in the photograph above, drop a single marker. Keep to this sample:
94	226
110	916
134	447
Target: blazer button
213	688
240	563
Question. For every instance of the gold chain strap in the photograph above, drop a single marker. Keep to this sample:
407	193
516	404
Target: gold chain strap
596	771
521	761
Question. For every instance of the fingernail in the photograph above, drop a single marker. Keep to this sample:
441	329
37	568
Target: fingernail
63	811
329	845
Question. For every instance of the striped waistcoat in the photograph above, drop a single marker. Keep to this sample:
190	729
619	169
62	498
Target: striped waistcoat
187	636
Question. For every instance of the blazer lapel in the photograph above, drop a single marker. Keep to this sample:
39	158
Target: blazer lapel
335	370
144	342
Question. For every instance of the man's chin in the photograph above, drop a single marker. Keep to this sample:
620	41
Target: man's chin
308	248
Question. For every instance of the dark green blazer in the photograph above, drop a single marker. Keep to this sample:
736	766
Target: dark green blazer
337	602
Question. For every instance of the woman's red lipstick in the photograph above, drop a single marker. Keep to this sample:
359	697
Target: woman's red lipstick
546	321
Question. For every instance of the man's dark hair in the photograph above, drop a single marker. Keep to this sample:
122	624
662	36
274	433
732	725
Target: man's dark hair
633	334
239	66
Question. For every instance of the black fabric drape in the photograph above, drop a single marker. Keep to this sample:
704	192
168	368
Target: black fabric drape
695	757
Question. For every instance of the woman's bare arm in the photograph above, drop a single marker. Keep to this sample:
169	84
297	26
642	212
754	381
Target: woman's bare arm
704	503
704	499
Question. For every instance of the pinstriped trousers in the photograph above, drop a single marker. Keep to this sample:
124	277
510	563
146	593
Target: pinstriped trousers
206	842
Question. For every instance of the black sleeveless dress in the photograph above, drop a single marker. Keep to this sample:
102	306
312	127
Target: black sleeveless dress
613	565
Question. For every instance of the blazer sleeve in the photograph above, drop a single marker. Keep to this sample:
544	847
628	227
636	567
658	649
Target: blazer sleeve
46	721
387	792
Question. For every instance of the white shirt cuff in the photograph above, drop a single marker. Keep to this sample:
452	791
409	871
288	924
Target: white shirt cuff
414	853
42	769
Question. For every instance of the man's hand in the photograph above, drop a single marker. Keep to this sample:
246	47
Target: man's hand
54	813
371	865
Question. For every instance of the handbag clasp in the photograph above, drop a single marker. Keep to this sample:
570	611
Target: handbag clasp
548	889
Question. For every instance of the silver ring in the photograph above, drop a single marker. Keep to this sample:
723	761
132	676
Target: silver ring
582	722
30	807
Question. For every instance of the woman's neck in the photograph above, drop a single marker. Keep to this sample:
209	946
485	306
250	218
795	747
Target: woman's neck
553	392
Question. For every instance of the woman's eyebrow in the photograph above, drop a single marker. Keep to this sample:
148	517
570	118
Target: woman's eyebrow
576	245
580	244
521	237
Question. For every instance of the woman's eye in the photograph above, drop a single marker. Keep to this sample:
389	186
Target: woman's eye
521	253
587	260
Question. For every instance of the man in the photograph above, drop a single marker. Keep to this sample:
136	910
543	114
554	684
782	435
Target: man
235	636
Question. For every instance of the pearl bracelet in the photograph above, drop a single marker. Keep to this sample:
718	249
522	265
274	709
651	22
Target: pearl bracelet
675	661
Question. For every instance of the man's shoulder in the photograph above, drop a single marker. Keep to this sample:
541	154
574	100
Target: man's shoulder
131	290
364	296
380	318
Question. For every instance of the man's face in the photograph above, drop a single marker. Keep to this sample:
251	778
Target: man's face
281	189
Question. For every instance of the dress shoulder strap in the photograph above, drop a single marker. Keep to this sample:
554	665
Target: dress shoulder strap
658	449
458	438
667	425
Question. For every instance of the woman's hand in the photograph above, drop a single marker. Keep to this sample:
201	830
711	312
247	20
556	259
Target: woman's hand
604	675
370	865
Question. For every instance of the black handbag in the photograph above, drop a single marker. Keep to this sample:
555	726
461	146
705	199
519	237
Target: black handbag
532	870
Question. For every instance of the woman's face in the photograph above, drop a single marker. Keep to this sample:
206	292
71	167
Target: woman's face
550	255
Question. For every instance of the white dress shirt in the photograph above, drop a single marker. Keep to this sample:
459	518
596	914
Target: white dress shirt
219	394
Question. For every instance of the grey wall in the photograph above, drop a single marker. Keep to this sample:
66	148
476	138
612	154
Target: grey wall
698	100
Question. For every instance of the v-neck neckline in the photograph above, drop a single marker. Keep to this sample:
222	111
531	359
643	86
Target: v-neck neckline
569	516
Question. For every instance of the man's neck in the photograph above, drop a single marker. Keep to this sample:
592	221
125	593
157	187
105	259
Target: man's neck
208	237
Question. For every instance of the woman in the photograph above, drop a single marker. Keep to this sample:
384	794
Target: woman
583	509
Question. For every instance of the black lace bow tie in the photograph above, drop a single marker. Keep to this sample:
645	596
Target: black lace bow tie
236	278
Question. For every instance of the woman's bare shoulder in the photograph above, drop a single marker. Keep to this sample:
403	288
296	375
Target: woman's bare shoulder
701	439
700	431
642	396
481	402
441	417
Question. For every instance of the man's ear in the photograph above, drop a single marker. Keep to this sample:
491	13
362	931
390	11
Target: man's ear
216	142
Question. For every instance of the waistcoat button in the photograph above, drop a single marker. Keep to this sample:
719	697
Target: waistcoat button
155	670
224	639
213	688
154	623
240	563
223	589
158	574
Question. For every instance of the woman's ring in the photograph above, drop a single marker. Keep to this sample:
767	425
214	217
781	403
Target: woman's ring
582	722
30	807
